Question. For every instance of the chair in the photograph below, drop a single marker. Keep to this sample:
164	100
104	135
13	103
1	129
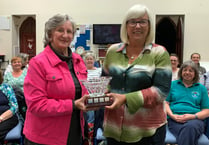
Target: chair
16	133
207	127
99	137
171	139
98	125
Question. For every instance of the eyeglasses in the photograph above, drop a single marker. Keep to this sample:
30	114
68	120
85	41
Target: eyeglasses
143	22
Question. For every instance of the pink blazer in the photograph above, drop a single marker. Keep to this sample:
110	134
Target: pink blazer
49	90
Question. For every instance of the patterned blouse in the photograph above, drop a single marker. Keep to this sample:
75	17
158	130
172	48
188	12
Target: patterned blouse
145	83
8	91
13	81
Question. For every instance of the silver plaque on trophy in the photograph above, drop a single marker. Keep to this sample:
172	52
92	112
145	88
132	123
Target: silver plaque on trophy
96	88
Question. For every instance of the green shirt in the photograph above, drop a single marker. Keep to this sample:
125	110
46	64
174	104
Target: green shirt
13	81
187	100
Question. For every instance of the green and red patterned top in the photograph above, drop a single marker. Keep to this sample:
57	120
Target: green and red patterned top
146	83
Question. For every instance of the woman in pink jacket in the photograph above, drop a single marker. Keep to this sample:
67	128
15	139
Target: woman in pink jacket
52	89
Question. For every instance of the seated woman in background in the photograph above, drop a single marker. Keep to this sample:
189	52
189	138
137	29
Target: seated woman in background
8	108
16	80
93	72
25	60
174	64
187	105
17	76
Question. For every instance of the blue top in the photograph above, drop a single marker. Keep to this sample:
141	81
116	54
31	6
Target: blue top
8	91
187	100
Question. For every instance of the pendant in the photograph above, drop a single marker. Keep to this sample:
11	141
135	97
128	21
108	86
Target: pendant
132	57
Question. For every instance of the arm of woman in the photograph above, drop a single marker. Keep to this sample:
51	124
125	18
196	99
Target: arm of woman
6	115
43	91
204	105
204	113
168	109
159	89
36	92
159	84
8	91
119	99
177	118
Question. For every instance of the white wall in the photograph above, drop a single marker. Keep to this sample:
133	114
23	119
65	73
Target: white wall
205	64
110	11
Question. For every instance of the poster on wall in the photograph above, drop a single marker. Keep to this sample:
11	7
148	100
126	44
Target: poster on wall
4	23
83	39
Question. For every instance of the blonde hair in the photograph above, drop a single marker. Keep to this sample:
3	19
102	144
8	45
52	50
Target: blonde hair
16	58
134	12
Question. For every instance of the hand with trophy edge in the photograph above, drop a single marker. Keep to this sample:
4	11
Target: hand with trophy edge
91	108
118	100
80	103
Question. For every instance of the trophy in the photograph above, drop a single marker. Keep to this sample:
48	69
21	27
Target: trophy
96	88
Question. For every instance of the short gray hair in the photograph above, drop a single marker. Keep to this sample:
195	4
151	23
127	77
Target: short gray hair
134	12
24	57
193	66
53	23
89	54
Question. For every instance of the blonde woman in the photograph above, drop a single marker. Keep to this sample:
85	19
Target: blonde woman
141	77
93	71
17	76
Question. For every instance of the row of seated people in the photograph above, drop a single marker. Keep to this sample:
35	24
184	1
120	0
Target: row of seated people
187	105
187	108
11	93
185	118
8	109
14	76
